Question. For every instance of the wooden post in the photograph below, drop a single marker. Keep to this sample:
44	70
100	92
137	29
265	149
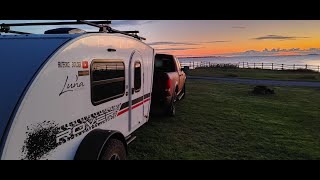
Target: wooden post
254	65
271	66
306	66
242	64
294	66
262	65
193	64
281	66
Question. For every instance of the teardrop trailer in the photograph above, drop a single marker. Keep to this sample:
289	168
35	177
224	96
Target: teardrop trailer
70	94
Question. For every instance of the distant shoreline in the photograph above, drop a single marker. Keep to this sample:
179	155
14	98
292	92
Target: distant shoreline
188	57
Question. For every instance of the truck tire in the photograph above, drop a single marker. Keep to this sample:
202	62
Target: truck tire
172	107
184	91
114	150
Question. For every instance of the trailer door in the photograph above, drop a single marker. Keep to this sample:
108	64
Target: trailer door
136	93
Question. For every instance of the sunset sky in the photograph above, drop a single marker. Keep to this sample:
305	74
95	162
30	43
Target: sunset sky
220	37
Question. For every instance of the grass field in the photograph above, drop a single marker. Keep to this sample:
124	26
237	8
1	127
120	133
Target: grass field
256	74
225	121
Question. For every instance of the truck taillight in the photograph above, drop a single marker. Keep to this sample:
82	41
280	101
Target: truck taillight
168	87
168	84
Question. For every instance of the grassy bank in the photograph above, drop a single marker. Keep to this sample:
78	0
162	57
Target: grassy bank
256	74
224	121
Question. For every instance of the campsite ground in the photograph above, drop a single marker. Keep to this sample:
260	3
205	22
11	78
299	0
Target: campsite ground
225	121
298	75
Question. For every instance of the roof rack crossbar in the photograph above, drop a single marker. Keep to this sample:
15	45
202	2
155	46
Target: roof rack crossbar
111	30
134	32
92	23
6	29
106	28
102	25
56	23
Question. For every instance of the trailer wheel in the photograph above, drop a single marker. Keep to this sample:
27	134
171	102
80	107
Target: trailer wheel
172	107
114	150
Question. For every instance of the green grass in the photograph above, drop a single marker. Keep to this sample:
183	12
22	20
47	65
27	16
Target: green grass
225	121
256	74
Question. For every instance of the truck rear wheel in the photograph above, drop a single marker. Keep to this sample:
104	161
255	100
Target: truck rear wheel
172	107
114	150
184	91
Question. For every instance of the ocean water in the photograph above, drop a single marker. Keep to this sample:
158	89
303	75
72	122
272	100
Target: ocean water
287	60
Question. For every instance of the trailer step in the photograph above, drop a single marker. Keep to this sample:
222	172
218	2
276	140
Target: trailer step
130	138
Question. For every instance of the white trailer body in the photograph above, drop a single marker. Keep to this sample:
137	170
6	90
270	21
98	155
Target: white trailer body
58	88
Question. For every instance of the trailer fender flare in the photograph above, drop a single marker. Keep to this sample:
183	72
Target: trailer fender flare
93	143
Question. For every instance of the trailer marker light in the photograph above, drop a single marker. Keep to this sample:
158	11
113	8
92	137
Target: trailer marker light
85	64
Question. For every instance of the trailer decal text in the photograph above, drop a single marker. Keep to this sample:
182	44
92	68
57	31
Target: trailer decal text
47	136
85	124
71	86
63	64
69	64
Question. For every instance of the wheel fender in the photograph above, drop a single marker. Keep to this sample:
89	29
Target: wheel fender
93	143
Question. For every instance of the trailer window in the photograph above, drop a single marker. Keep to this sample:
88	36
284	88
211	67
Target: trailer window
107	81
137	76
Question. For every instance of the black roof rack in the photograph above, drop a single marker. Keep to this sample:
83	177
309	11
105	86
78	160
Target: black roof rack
102	25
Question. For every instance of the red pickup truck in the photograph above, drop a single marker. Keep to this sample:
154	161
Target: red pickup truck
168	84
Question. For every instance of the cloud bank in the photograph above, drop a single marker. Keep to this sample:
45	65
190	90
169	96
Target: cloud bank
277	37
276	52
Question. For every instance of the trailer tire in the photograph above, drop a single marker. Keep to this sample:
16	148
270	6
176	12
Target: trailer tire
114	150
97	142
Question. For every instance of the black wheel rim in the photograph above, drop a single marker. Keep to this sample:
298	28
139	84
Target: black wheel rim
115	157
